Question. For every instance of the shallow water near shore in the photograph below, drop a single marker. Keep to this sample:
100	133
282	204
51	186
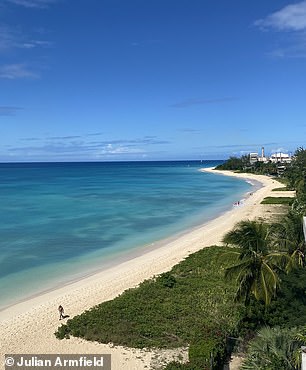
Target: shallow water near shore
62	221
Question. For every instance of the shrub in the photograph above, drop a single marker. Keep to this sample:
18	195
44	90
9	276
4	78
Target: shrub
173	310
201	353
167	280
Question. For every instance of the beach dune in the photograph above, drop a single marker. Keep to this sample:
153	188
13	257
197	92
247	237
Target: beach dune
29	326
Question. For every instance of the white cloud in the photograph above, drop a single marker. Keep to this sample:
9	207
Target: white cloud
16	71
120	149
290	22
33	3
31	44
297	49
290	18
74	150
17	39
76	147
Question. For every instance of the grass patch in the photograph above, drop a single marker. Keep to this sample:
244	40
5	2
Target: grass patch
175	309
278	200
281	189
282	180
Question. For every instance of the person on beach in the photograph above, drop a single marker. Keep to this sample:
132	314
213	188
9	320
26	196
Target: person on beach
61	312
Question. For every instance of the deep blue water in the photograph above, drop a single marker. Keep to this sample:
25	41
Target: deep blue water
61	220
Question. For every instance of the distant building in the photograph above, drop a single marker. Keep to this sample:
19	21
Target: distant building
253	157
263	158
280	158
281	169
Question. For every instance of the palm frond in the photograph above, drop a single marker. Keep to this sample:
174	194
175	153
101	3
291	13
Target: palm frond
273	348
249	236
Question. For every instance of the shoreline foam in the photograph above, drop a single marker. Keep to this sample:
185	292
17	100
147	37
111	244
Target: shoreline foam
28	327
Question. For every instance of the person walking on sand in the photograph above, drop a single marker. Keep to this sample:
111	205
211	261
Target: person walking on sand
61	312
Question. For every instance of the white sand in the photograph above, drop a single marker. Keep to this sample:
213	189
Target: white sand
29	327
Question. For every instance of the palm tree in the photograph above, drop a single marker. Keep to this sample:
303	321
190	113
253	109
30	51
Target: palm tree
274	349
257	269
289	236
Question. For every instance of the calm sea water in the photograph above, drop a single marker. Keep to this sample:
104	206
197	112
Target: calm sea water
60	221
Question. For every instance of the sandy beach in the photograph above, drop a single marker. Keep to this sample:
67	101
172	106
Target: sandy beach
29	327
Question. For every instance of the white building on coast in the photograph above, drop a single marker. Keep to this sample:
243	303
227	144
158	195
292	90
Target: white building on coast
278	157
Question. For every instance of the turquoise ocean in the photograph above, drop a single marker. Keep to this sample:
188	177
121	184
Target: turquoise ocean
62	221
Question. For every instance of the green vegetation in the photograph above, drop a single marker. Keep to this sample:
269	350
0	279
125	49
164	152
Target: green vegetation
289	236
296	175
287	309
274	348
242	164
199	302
278	200
281	189
190	305
275	300
278	312
283	180
234	164
258	265
296	172
293	175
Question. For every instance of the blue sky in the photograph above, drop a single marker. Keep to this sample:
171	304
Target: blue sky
148	80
